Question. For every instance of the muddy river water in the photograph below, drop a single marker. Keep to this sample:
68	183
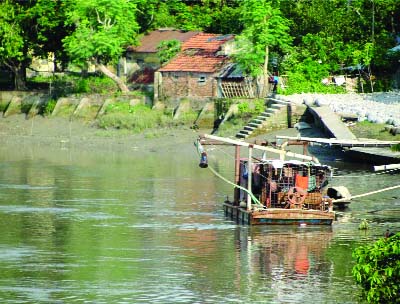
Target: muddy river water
146	226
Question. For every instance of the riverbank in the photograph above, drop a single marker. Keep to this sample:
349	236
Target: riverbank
379	107
61	133
64	133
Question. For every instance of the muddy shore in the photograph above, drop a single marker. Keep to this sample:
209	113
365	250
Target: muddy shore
65	134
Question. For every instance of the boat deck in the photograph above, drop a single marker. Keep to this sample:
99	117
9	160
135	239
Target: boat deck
278	216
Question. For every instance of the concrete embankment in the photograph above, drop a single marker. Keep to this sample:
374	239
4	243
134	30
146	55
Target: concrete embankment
377	108
88	107
380	107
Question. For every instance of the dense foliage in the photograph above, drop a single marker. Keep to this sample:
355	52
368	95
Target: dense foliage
377	270
167	49
304	39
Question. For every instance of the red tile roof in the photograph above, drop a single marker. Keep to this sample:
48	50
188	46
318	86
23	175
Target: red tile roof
202	63
207	42
150	41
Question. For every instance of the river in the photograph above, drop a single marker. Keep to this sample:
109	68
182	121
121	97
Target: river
147	226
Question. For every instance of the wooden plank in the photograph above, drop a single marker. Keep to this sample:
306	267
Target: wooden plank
342	142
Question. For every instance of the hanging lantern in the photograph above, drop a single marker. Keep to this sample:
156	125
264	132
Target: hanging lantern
203	160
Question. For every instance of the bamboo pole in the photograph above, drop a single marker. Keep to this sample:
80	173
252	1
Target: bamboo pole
365	194
387	167
258	147
249	176
237	174
343	142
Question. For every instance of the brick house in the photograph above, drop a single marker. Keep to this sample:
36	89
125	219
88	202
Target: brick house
141	61
194	72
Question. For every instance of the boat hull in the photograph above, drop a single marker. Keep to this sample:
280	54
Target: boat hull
278	216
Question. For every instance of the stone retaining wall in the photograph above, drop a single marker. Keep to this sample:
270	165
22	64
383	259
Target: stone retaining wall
375	107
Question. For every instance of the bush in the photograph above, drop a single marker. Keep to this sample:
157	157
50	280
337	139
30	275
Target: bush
377	270
63	85
222	106
137	118
255	106
396	148
49	108
243	107
299	83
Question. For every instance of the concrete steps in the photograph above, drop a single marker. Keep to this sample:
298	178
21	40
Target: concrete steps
275	106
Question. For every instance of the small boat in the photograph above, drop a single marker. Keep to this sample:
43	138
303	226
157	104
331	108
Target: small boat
270	191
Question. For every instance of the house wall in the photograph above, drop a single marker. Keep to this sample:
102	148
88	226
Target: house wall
187	84
140	61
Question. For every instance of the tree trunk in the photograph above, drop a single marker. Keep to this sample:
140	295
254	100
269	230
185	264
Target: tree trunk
265	74
122	86
370	79
19	74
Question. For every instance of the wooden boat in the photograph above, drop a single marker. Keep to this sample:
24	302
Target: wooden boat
275	191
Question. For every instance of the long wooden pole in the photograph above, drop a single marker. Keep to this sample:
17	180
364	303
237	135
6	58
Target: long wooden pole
387	167
237	174
365	194
343	142
258	147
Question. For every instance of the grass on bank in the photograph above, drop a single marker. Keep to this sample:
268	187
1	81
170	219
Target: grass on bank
60	85
140	117
366	129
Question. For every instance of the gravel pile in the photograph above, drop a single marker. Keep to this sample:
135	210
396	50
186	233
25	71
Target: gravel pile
374	107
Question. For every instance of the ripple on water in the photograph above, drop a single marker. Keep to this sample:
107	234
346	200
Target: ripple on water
30	294
184	226
25	187
85	200
12	254
30	209
83	216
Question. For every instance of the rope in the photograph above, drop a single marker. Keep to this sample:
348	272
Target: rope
201	149
235	186
366	194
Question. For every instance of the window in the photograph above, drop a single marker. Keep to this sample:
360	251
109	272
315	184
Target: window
202	80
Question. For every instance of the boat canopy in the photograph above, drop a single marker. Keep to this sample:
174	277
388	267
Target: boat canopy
278	164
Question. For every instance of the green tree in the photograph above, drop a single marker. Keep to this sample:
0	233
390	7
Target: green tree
264	29
178	14
13	49
102	31
168	49
333	32
214	16
377	270
225	15
49	31
28	29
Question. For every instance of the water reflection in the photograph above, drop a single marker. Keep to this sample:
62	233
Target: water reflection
288	260
149	228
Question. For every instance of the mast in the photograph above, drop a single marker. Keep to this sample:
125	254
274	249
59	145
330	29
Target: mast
237	174
249	177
